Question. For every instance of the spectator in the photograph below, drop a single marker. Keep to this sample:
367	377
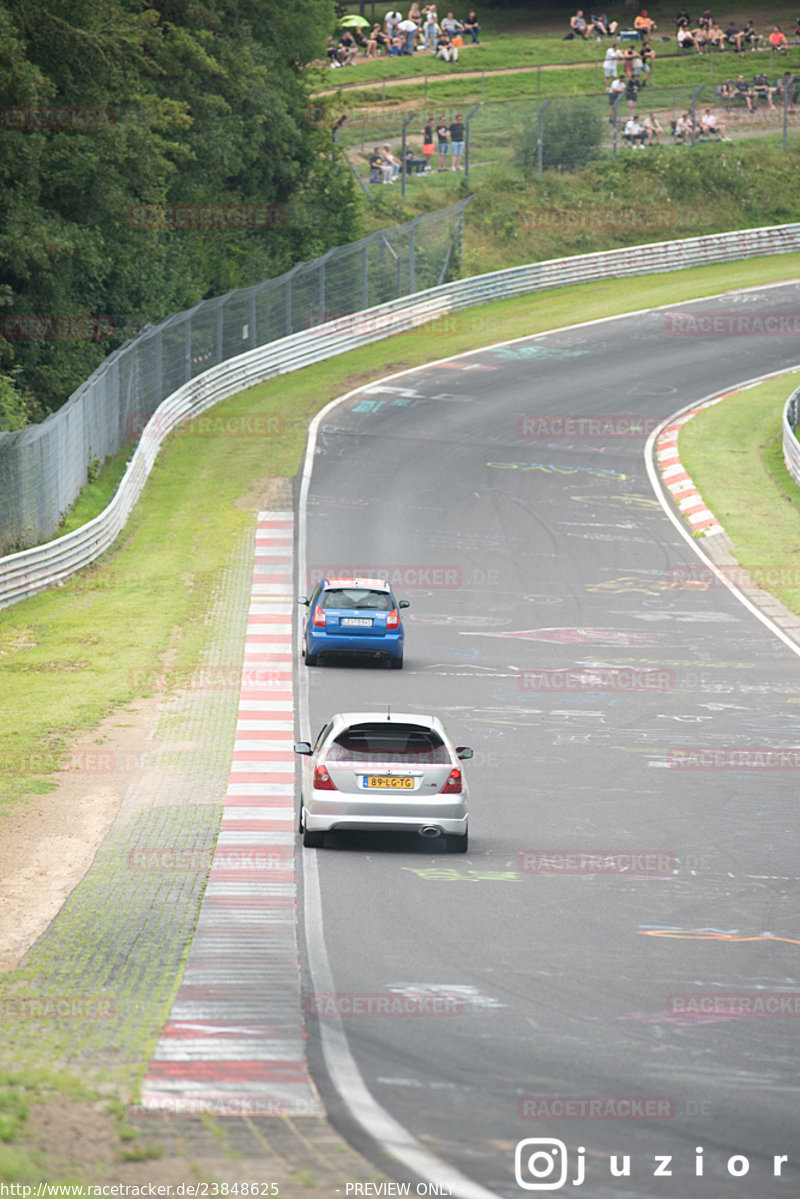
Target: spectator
427	145
613	55
683	20
741	91
578	25
627	62
395	45
783	86
391	22
684	126
777	39
709	124
638	64
648	58
447	51
652	128
603	26
376	166
750	36
472	27
634	133
615	89
762	89
408	31
631	94
644	24
733	36
414	14
451	26
414	165
430	29
706	19
375	41
715	37
392	162
456	142
442	134
687	40
348	50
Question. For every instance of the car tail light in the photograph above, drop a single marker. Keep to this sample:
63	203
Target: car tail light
453	785
318	619
392	620
323	781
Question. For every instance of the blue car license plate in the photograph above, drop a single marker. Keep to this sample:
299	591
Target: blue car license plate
361	622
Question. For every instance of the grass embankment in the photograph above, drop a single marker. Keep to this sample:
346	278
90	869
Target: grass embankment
733	452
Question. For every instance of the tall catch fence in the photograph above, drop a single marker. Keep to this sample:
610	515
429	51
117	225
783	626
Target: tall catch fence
43	467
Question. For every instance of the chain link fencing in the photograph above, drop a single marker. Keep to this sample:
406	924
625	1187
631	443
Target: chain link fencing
535	134
43	467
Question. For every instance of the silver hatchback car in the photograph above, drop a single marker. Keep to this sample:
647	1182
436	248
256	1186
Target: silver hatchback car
384	772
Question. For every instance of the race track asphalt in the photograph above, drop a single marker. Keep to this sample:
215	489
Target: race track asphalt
555	556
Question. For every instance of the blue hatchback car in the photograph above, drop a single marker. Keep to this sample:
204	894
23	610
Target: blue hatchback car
353	616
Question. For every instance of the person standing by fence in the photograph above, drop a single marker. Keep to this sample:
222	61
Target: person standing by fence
456	143
443	133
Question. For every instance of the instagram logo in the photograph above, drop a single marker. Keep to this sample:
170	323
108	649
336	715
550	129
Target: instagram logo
540	1164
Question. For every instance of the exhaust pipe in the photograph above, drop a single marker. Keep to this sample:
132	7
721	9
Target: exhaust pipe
430	830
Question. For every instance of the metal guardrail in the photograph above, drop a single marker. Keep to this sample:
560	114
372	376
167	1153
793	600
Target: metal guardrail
33	570
791	446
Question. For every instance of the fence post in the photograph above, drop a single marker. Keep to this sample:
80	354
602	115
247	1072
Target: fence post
540	136
403	169
470	115
787	86
695	94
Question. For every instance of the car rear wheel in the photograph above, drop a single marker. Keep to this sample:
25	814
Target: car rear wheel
455	843
313	840
310	659
396	663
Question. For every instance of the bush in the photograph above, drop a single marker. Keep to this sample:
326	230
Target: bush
572	134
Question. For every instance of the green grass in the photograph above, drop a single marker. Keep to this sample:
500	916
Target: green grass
71	658
734	455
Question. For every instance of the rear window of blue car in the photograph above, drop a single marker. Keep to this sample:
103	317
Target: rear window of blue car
362	598
401	743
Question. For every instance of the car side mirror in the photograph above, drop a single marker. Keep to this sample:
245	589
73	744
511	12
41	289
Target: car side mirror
404	604
303	599
463	751
302	747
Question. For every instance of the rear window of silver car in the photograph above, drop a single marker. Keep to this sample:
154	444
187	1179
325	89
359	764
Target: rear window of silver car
400	742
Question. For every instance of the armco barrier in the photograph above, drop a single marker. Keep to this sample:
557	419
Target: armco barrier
29	571
791	446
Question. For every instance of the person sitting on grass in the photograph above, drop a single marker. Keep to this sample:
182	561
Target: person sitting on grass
687	40
451	26
683	20
777	39
742	91
716	37
414	165
603	27
706	19
634	133
644	24
750	37
710	126
348	50
762	89
579	25
653	128
683	127
472	27
447	51
733	36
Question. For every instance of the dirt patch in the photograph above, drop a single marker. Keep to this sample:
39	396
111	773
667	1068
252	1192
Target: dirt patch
271	493
48	844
